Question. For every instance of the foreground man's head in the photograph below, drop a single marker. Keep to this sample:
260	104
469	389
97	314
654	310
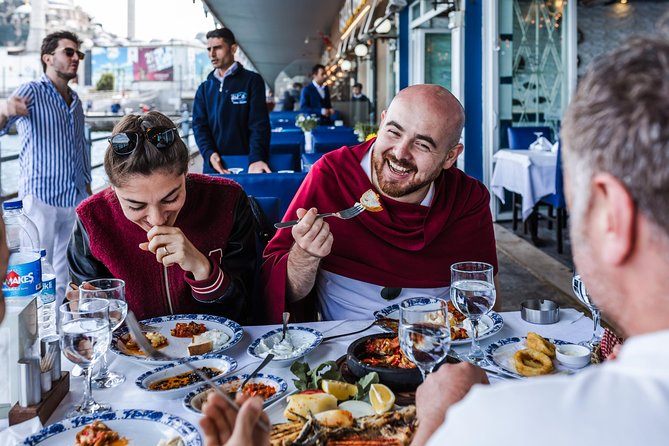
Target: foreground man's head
616	151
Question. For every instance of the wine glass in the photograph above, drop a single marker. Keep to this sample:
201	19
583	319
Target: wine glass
473	293
582	294
424	332
84	338
113	291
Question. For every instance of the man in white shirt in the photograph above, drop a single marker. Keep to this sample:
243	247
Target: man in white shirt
617	176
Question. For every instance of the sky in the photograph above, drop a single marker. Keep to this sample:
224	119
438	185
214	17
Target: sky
154	19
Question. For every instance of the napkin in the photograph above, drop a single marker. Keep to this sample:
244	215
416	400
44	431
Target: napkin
541	145
15	434
555	147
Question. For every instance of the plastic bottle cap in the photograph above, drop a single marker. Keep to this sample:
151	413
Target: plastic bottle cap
14	204
42	253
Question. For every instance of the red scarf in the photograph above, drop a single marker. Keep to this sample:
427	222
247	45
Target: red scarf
405	245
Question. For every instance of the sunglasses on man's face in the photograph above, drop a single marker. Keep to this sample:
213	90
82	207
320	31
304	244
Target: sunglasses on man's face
160	137
70	52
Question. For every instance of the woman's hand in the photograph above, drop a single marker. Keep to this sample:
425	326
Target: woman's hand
222	425
171	246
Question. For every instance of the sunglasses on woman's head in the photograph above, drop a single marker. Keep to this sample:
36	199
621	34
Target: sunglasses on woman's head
70	52
160	137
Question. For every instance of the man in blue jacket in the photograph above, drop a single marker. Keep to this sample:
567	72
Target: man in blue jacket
315	97
229	113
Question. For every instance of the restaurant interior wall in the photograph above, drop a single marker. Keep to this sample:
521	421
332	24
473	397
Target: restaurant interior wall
604	27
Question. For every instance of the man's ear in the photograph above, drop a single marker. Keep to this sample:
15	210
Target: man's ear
452	156
383	118
613	215
45	58
233	48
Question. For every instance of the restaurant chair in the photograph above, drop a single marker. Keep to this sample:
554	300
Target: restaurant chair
556	202
329	141
520	138
281	185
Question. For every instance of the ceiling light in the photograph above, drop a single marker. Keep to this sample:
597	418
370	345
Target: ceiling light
382	26
346	65
361	50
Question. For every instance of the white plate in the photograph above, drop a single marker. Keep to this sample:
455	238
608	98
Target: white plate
500	354
176	347
303	336
224	363
140	427
193	400
490	323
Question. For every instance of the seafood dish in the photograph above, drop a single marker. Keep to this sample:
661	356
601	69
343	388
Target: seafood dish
385	352
98	434
184	379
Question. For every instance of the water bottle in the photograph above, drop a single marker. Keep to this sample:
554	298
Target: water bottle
24	272
47	307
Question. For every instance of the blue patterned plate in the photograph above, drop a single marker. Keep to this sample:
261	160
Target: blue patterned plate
489	325
304	339
177	347
193	400
213	360
500	354
141	427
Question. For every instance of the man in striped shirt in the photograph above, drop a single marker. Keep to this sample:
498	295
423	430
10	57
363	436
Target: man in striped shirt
54	160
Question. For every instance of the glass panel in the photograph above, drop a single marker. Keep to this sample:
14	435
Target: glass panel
438	59
530	64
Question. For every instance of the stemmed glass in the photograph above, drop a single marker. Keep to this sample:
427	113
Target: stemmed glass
84	338
473	293
582	294
424	332
113	291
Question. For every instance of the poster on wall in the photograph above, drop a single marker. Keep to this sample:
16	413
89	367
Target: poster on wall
154	64
115	60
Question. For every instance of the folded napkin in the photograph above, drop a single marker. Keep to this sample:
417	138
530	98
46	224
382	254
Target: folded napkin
541	145
15	434
555	147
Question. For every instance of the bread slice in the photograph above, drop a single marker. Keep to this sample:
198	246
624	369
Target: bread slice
370	200
200	348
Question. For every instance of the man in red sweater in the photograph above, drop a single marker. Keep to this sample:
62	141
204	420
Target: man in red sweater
433	215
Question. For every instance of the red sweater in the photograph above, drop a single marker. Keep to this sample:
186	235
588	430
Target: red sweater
404	246
215	218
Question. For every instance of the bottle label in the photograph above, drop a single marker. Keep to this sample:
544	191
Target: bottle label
48	290
24	275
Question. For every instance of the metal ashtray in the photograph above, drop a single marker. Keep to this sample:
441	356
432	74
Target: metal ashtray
540	311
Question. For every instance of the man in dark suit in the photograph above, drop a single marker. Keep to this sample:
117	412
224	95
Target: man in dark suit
315	98
291	97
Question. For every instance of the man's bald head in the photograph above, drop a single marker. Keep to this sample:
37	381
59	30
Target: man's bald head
441	103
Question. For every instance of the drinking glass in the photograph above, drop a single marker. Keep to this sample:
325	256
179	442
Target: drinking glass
582	294
84	338
113	291
424	332
473	293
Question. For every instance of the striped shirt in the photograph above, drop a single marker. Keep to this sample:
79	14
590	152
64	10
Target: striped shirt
54	159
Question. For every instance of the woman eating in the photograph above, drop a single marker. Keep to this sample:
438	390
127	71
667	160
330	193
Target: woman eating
183	243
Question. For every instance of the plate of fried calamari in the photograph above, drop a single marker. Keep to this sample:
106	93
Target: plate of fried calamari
179	336
531	355
119	428
461	328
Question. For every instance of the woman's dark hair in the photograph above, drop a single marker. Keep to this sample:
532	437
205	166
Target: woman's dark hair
146	158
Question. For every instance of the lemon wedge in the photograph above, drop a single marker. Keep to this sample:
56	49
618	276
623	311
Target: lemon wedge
340	390
381	397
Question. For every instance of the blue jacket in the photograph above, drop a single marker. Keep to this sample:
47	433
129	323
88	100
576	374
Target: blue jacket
311	102
231	118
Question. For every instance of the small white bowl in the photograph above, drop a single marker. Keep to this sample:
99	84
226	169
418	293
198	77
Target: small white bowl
305	337
572	355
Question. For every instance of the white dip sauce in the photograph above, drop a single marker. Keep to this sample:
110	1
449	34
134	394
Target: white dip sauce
290	347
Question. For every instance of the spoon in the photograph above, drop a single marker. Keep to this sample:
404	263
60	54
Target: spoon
285	317
253	374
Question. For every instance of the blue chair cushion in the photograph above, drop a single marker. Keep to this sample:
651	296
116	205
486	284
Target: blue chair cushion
281	185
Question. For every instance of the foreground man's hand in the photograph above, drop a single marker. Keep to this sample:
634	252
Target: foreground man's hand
439	392
222	425
312	234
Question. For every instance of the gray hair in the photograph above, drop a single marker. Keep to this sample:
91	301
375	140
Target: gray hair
617	123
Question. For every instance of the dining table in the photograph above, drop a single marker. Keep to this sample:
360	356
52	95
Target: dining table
526	172
573	326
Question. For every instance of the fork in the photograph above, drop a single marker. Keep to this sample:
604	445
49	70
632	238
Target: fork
351	212
145	345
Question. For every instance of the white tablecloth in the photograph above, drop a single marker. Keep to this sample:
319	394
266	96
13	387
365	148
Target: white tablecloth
128	395
528	173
